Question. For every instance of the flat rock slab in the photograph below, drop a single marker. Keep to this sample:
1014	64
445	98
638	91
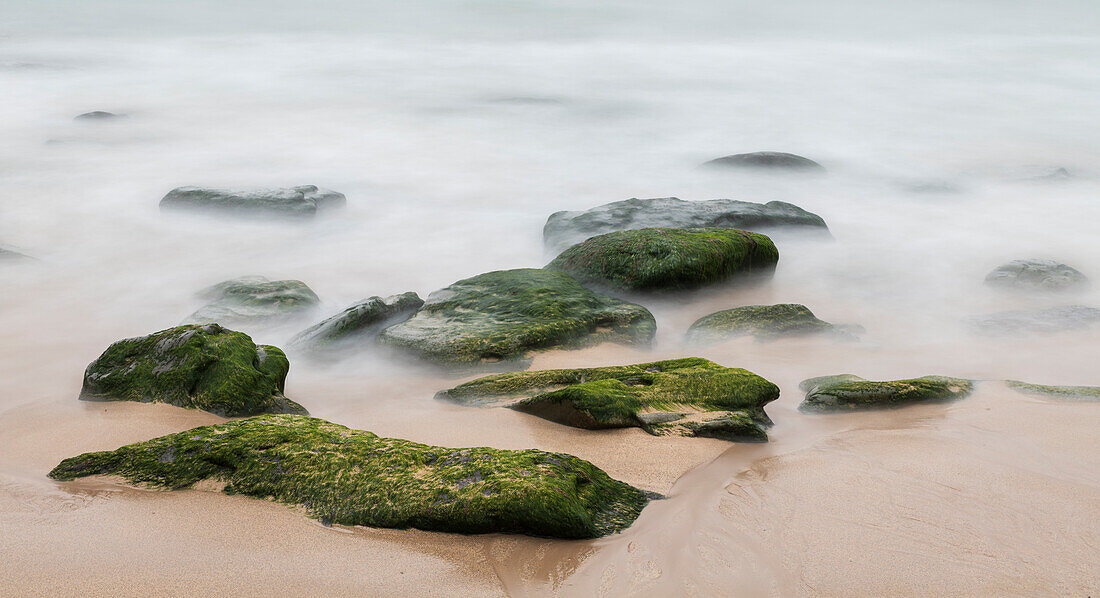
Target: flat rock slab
352	477
1038	321
302	201
1037	275
846	392
1091	393
667	259
504	315
765	322
564	229
684	397
198	367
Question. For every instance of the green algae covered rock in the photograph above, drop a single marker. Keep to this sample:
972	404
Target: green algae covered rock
504	315
1060	392
294	202
358	322
351	477
761	321
687	397
846	392
667	259
252	299
198	367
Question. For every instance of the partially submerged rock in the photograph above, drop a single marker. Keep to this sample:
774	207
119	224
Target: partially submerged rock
1041	321
846	392
7	255
1061	392
352	477
767	161
686	397
763	322
252	299
504	315
1034	274
358	322
98	115
305	200
569	228
198	367
667	259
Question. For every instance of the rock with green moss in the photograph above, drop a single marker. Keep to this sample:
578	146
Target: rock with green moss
504	315
358	322
667	259
846	392
764	322
767	161
294	202
199	367
1091	393
255	299
564	229
686	397
351	477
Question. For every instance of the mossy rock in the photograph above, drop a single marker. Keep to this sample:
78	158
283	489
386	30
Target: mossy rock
352	477
295	202
667	259
846	392
761	321
1091	393
198	367
767	161
506	314
358	322
564	229
255	299
686	397
1037	275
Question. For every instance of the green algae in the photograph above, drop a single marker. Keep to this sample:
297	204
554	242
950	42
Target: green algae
357	322
352	477
1062	392
506	314
846	392
760	321
196	366
688	397
254	298
667	259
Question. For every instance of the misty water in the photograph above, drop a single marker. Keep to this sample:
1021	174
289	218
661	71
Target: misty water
955	138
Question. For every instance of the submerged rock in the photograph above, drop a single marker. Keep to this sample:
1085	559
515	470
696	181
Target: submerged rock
198	367
7	255
1061	392
686	397
251	299
352	477
1042	321
762	321
504	315
846	392
1045	275
98	115
569	228
302	201
358	322
766	160
667	259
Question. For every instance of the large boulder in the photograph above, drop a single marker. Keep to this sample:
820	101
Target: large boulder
358	323
667	259
302	201
255	299
1091	393
1042	321
1043	275
504	315
351	477
569	228
198	367
764	322
766	161
845	392
683	397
